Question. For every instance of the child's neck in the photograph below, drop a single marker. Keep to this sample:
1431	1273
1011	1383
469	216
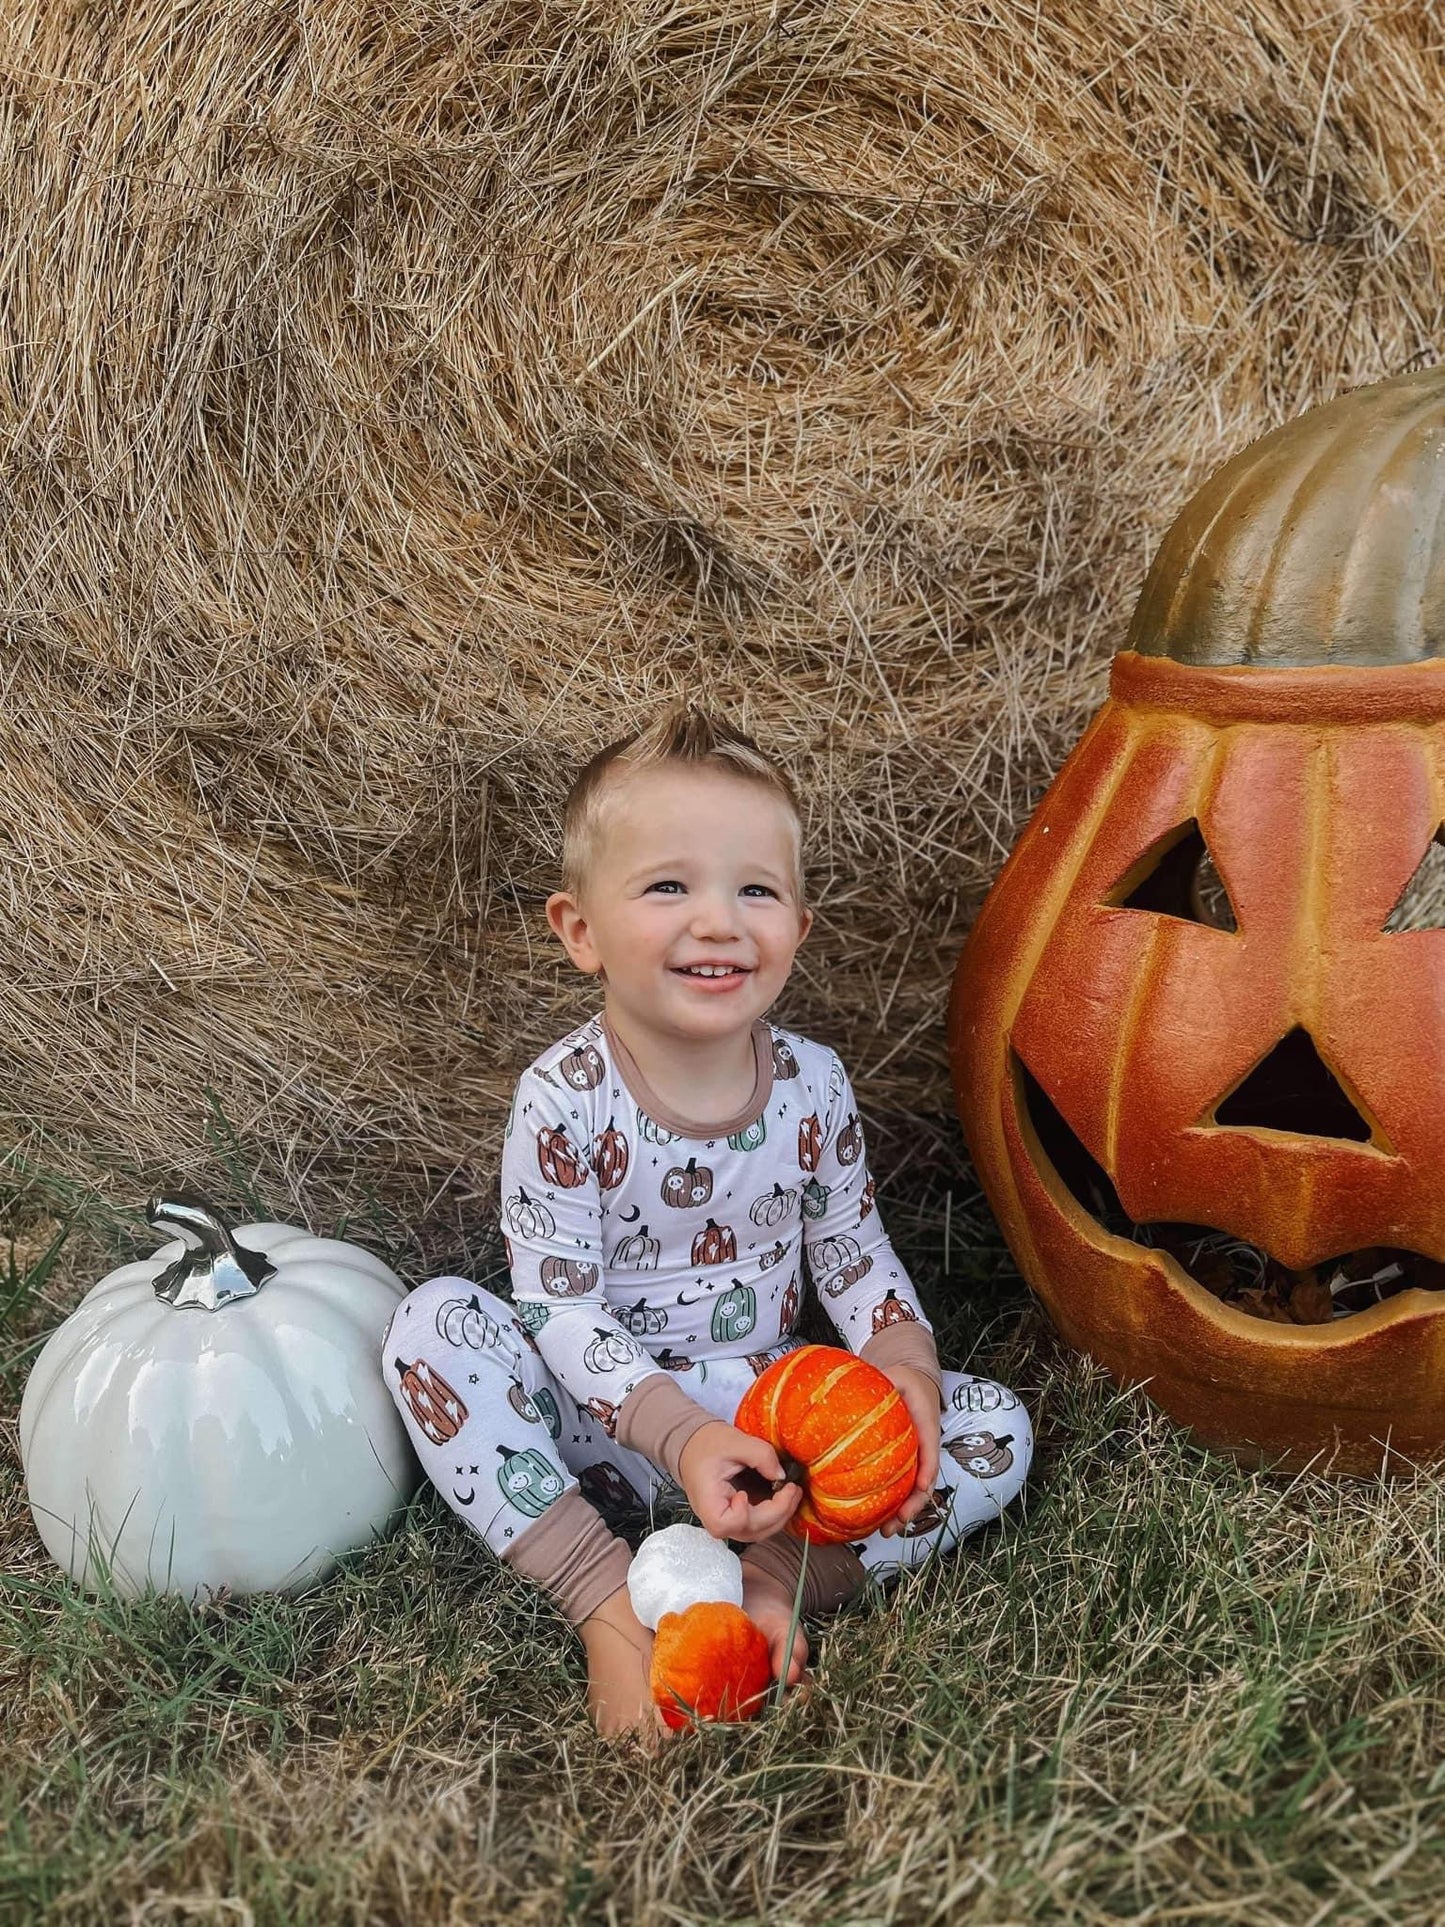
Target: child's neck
697	1078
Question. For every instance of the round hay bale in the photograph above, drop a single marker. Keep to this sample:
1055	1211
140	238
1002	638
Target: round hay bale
401	402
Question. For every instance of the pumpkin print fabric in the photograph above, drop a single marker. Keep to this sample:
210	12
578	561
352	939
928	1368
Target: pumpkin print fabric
656	1246
502	1440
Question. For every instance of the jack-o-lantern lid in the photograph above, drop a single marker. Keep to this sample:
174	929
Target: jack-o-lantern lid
1322	543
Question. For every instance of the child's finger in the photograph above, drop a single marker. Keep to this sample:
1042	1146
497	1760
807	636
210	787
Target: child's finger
761	1456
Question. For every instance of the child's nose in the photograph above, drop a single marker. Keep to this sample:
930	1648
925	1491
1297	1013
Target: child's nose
715	915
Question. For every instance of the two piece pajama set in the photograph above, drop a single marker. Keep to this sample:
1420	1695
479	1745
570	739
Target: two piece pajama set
657	1267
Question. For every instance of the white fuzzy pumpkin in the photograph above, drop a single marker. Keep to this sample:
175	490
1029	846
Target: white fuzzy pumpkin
235	1431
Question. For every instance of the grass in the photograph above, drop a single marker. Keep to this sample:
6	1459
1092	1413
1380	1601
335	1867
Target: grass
1174	1691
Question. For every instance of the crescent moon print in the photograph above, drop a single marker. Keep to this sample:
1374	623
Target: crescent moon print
631	1217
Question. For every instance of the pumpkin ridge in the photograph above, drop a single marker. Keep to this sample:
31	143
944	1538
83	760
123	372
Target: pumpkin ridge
869	1419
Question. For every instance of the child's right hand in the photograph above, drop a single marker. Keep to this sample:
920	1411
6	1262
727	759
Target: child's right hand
715	1465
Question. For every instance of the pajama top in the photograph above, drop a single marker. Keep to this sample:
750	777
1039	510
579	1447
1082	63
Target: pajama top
641	1244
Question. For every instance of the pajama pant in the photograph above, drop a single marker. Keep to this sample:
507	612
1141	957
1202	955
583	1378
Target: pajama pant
502	1440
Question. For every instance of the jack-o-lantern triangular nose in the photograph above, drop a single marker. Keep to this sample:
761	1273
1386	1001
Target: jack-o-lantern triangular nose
1292	1088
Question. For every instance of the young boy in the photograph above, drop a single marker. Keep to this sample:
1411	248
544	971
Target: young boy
666	1168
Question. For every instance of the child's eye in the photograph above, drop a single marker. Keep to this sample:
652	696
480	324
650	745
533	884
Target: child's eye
758	889
670	884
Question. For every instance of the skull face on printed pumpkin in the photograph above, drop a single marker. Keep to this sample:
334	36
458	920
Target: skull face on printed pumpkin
1198	1032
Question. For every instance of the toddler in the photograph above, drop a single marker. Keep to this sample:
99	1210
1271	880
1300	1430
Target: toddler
667	1169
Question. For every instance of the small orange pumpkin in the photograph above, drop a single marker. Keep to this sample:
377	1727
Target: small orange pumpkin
709	1663
842	1431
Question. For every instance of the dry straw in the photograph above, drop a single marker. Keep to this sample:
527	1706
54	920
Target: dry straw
402	400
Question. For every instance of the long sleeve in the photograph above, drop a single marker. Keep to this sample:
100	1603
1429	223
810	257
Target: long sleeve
861	1282
552	1217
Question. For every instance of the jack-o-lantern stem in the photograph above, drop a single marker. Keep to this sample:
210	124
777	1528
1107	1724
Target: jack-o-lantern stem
214	1270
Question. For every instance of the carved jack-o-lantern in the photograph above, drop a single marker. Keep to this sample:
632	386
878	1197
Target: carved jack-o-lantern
1198	1032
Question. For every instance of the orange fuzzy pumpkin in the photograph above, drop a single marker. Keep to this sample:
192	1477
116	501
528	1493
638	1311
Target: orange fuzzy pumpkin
709	1663
843	1430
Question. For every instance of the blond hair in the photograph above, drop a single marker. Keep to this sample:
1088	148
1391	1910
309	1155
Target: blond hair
686	736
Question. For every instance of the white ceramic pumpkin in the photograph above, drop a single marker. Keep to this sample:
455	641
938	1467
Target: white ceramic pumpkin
215	1415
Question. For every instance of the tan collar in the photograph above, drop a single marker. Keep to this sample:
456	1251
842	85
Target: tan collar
648	1100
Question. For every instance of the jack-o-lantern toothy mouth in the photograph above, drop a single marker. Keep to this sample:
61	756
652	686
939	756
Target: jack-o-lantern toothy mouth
1240	1274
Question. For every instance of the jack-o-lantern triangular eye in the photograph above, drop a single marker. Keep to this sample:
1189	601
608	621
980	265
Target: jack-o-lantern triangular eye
1421	904
1176	877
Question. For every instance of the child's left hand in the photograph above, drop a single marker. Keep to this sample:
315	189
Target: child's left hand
920	1395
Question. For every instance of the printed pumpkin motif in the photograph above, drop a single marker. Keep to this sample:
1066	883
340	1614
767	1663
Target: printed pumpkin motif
735	1313
785	1065
893	1311
687	1186
845	1279
639	1252
651	1132
568	1277
810	1142
605	1486
788	1309
532	1316
980	1453
607	1351
461	1321
750	1137
767	1259
982	1395
642	1320
672	1361
557	1160
528	1480
865	1202
850	1141
773	1206
583	1068
437	1409
528	1217
522	1405
714	1245
605	1413
832	1254
815	1198
610	1157
547	1406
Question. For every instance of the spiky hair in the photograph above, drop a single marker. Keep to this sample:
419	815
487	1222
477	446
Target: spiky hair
687	735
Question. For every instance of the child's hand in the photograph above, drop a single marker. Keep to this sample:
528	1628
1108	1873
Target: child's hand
718	1464
920	1395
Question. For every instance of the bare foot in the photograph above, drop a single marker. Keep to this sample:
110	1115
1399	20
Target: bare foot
619	1656
769	1605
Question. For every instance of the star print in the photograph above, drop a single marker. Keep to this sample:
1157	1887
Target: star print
473	1379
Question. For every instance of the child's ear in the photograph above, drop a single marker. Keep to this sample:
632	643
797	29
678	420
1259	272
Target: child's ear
570	926
805	923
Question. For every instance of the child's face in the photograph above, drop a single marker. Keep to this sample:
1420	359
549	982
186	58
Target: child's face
696	868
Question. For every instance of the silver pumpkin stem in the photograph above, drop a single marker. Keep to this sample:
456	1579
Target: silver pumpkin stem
213	1270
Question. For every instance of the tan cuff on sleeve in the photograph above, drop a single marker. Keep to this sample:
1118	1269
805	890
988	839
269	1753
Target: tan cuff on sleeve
909	1344
657	1419
835	1573
572	1556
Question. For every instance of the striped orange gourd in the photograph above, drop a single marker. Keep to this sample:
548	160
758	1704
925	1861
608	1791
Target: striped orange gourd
843	1430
